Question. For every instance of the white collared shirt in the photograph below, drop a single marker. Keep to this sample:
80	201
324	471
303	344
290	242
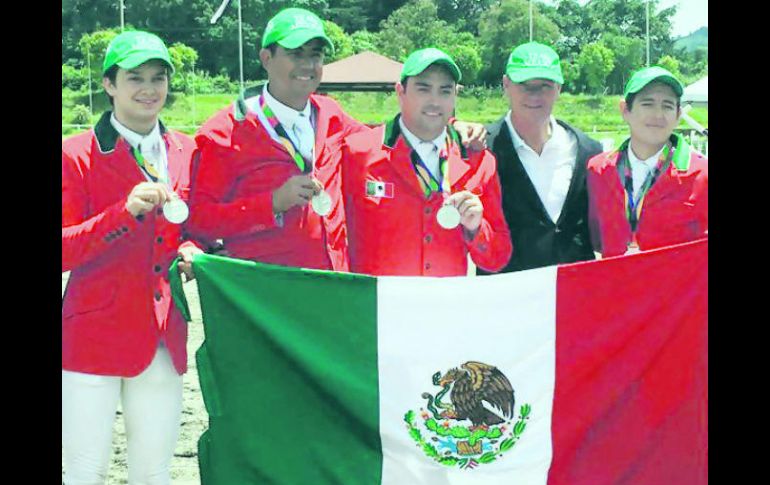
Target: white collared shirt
641	168
151	146
287	117
550	171
428	151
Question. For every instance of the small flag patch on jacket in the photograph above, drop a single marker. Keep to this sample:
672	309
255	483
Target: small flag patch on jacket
375	188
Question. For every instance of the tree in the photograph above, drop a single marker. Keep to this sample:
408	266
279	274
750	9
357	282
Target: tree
463	14
351	15
343	44
363	40
183	58
670	64
574	25
628	18
503	27
629	55
93	47
401	35
596	62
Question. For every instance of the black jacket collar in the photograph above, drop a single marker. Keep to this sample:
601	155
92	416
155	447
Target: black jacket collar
106	134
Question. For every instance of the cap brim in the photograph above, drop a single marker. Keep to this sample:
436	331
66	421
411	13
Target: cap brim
134	60
527	74
300	37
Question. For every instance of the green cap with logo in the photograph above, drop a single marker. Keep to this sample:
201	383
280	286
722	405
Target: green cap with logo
645	76
534	60
419	60
293	27
133	48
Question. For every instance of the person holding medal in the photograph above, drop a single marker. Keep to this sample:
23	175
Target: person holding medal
416	202
260	166
264	178
124	185
652	191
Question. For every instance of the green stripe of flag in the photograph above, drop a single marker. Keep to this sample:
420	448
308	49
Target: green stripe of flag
318	423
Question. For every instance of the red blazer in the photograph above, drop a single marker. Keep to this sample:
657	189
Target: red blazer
399	235
117	305
237	168
675	210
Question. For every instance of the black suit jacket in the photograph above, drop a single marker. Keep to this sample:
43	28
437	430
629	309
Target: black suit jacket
537	240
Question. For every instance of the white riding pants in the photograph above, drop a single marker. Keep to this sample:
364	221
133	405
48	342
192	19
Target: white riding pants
152	410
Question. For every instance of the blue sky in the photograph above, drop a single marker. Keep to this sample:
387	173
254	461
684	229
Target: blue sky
691	14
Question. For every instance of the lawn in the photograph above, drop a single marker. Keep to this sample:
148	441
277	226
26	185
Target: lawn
597	116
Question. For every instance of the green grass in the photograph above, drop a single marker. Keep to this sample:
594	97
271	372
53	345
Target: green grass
597	116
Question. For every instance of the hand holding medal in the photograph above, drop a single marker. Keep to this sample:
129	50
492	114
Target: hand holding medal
461	208
145	196
298	191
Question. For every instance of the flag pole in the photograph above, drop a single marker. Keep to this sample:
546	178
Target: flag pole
122	8
216	17
648	33
530	20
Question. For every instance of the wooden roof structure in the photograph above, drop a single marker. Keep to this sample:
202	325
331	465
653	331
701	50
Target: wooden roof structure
365	71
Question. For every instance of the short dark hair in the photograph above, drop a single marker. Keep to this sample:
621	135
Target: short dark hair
631	97
111	74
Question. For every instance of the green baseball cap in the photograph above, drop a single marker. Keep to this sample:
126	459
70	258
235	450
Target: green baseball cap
419	60
645	76
134	47
293	27
534	61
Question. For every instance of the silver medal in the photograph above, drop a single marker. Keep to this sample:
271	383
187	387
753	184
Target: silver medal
321	203
448	217
176	211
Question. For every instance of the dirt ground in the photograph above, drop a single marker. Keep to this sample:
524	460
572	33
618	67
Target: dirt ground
184	466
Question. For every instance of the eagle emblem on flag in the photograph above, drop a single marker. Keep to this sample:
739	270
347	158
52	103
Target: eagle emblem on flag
476	425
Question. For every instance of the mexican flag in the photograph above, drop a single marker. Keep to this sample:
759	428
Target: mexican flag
593	373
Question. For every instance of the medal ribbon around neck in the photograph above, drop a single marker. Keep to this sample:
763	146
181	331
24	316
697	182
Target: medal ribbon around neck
634	207
147	168
428	182
278	132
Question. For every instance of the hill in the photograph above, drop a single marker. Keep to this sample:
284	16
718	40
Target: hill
694	41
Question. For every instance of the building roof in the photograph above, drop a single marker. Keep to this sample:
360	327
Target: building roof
697	92
365	71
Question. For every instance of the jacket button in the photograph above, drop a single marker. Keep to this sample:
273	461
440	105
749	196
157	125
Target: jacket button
428	211
157	268
158	211
157	296
557	230
427	266
159	239
428	238
124	229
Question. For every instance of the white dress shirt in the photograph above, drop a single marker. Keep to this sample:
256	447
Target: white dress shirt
641	168
151	146
550	171
427	150
298	124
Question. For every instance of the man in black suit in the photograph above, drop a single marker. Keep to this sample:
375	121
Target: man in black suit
541	163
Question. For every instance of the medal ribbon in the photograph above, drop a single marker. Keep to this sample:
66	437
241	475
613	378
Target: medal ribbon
428	182
282	137
634	207
147	168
